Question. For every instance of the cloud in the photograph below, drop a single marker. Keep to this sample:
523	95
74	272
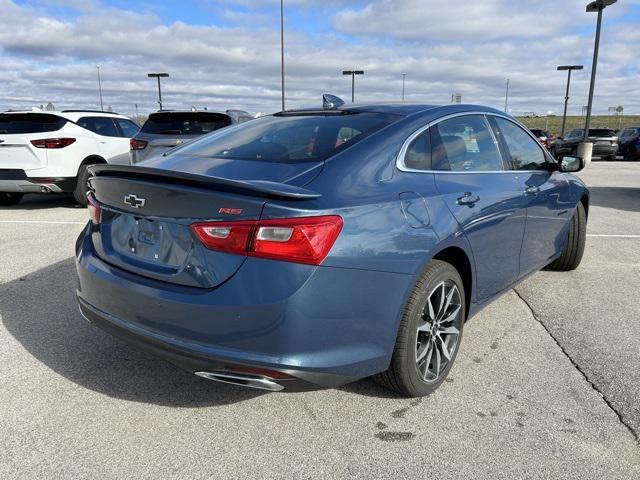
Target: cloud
465	47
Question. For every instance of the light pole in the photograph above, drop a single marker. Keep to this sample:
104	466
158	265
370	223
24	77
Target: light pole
158	76
353	74
506	97
404	76
100	88
282	49
569	69
596	6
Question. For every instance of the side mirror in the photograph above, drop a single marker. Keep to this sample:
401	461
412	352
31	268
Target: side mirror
571	164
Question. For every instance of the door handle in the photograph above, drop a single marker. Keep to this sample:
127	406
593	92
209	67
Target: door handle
468	199
532	190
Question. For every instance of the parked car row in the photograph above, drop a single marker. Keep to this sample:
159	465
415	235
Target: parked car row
607	143
44	152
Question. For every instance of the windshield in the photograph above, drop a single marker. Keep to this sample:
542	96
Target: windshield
17	123
290	138
185	123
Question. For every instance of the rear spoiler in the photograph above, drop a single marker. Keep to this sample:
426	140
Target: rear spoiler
256	187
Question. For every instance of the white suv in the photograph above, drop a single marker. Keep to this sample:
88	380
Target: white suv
42	152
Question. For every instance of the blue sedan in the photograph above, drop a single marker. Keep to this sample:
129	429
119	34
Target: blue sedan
313	248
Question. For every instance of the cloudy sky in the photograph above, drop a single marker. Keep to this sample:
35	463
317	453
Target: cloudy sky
226	54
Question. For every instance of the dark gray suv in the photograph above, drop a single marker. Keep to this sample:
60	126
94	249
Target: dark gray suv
168	128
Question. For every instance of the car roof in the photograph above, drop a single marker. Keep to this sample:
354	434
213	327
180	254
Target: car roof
73	115
403	109
196	112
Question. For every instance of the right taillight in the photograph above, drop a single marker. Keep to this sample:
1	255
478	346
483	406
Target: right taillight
135	144
301	240
94	209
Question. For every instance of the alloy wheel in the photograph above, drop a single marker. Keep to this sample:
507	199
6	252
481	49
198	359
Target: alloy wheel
439	331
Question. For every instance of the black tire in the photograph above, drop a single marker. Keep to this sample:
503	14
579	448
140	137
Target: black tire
574	249
82	187
8	199
403	375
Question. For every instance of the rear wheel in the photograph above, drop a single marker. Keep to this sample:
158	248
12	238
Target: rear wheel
429	334
82	186
574	249
10	198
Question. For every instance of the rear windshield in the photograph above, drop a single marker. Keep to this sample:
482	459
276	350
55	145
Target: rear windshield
601	132
17	123
290	138
187	123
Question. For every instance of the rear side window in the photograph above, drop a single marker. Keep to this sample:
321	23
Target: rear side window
127	127
525	152
418	156
185	123
290	138
101	125
465	144
20	123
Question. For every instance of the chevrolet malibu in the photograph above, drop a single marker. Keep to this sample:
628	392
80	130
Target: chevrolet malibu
314	248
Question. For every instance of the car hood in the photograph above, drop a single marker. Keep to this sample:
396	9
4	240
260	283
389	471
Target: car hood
299	173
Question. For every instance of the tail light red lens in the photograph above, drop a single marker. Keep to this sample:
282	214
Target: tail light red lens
53	142
301	240
135	144
94	209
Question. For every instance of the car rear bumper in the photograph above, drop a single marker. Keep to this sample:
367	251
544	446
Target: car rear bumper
604	150
17	181
322	326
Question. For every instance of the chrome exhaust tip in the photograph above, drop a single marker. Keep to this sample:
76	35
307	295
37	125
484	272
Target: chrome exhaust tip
242	379
44	189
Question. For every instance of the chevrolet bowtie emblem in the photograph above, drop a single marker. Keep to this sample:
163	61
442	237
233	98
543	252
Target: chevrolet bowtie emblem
134	201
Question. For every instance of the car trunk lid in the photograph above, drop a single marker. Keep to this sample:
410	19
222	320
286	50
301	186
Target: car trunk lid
146	215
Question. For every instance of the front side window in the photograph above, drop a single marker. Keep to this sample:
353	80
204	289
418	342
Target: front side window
525	152
101	125
290	137
464	144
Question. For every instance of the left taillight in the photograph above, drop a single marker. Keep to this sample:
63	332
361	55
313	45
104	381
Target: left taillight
53	142
300	240
94	209
135	144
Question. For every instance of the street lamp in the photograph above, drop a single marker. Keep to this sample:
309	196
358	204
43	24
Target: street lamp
596	6
100	88
353	74
506	97
569	69
404	76
158	76
282	49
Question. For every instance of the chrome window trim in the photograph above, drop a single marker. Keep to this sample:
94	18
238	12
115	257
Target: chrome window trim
400	165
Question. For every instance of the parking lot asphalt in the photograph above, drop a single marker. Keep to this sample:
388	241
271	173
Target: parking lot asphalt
546	385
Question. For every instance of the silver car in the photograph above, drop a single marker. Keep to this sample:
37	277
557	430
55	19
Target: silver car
167	129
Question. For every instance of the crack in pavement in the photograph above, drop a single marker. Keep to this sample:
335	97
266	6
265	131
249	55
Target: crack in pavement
578	368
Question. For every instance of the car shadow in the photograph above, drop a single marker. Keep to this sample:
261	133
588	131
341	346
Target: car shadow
39	202
40	312
619	198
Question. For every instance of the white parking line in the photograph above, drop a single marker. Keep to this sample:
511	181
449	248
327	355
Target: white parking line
42	222
611	236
